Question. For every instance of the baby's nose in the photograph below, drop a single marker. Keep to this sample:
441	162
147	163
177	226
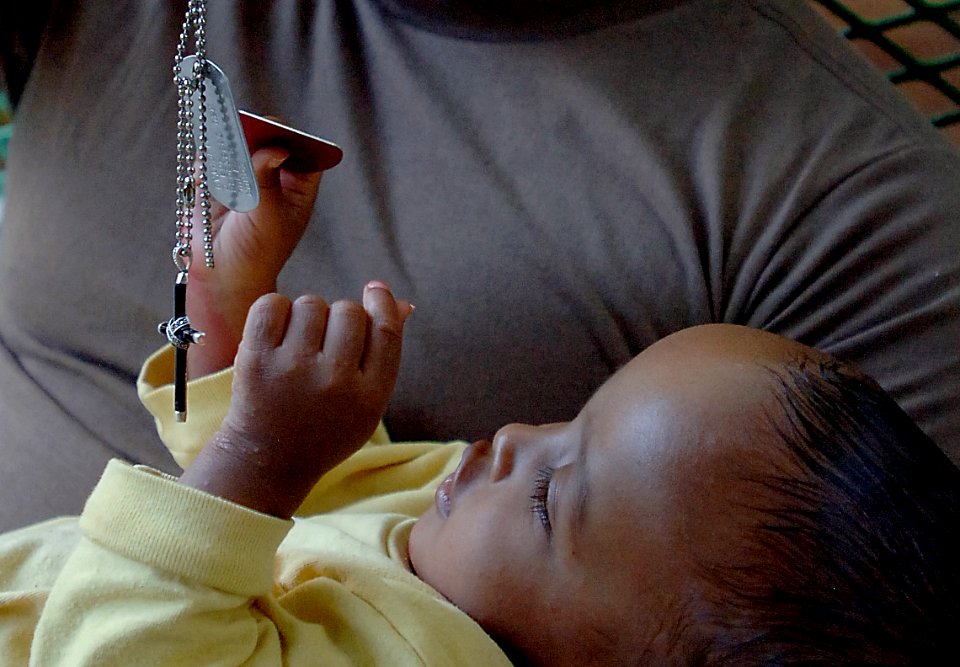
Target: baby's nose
505	445
503	454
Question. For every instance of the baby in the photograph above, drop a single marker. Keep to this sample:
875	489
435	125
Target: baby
728	497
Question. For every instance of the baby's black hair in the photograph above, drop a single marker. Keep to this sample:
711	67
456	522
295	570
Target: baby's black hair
856	542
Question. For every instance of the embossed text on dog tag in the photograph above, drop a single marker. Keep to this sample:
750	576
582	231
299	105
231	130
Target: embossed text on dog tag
229	168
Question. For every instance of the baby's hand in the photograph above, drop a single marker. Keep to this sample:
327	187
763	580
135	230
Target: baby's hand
249	249
311	383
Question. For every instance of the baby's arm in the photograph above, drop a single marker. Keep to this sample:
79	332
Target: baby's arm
249	249
311	383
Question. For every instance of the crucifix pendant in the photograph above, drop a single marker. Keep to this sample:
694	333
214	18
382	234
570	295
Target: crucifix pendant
181	336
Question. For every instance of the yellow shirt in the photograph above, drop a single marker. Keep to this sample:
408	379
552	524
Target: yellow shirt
155	573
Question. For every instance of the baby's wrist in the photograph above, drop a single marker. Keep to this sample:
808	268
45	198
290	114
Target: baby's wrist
241	473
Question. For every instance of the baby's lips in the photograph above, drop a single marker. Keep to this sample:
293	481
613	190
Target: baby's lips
473	463
441	497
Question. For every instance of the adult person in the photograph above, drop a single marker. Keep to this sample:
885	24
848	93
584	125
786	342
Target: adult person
554	185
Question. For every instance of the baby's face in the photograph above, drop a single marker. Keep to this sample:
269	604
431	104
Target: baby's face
567	538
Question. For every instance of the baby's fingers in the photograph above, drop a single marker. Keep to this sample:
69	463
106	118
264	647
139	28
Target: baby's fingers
266	322
344	338
308	324
381	359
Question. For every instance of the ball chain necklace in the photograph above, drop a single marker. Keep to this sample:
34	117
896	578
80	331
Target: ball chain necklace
213	162
212	156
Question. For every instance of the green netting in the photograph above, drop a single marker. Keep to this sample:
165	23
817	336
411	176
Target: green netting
936	16
6	130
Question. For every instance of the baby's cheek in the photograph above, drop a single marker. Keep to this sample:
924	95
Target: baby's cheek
440	558
426	550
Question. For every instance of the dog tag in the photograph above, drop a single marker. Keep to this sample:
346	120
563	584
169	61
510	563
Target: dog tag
229	168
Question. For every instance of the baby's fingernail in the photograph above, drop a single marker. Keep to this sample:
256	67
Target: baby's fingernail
376	284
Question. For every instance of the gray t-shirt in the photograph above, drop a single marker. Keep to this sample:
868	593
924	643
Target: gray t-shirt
553	198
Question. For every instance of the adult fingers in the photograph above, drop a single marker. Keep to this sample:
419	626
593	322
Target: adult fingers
294	188
299	188
266	166
284	190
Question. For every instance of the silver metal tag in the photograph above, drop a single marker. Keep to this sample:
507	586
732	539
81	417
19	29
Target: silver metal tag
229	168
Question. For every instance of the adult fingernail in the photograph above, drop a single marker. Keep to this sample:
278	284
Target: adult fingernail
277	161
376	284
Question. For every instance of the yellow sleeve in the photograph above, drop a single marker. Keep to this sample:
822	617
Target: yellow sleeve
168	576
164	575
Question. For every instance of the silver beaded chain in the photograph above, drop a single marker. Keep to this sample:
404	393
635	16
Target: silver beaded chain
192	139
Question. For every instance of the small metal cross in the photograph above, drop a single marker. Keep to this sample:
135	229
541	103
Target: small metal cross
181	335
